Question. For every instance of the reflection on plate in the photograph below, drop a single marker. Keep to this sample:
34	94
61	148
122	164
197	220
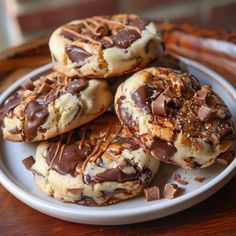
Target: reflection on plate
19	181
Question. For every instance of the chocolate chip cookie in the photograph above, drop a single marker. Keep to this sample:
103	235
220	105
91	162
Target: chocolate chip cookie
52	105
95	164
176	119
105	46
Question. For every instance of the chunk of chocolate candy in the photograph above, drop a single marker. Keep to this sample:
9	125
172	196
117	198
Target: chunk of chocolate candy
28	162
152	193
77	54
45	88
77	85
158	106
162	150
125	37
75	191
206	113
171	191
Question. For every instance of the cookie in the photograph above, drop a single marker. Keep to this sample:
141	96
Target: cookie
176	119
52	105
95	164
105	46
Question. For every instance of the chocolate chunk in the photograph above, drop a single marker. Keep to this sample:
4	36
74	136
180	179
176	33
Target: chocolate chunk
77	85
67	158
11	103
87	201
152	193
126	141
114	174
198	178
139	23
180	180
125	37
28	85
226	158
171	191
162	150
140	97
77	54
206	113
36	115
28	162
201	95
75	191
45	88
158	106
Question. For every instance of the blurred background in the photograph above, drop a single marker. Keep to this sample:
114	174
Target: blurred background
21	20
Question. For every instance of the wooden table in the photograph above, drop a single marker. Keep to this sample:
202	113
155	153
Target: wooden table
214	216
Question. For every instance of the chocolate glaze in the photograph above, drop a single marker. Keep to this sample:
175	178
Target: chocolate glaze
36	115
162	150
77	54
66	162
125	37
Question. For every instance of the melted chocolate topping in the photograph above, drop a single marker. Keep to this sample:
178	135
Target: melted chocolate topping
66	162
36	115
126	141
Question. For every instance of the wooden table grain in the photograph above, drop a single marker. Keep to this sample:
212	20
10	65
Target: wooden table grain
215	216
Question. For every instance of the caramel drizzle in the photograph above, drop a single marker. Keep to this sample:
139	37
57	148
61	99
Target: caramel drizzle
56	152
111	23
83	138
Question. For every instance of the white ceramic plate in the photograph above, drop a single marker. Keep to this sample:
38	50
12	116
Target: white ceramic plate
19	181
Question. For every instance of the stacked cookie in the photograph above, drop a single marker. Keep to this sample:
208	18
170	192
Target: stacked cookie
92	156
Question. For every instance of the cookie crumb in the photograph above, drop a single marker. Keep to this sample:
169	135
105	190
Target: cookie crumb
171	191
180	180
28	162
198	178
152	193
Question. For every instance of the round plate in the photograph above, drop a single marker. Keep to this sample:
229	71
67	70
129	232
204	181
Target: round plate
19	181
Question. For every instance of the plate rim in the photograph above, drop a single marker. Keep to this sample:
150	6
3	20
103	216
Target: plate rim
44	206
